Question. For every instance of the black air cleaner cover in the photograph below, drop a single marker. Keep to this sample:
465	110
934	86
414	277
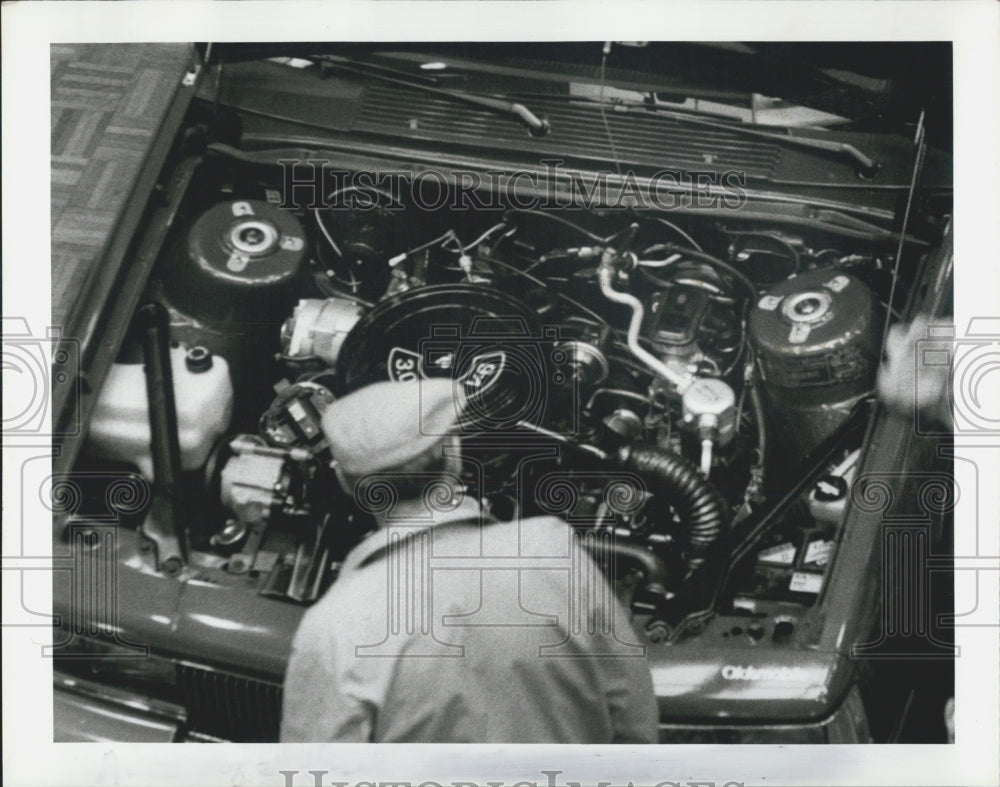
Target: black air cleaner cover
484	338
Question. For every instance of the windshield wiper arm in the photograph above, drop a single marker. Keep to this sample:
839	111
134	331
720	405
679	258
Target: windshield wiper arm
864	165
536	126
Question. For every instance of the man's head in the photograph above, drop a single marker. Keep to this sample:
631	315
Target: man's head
396	430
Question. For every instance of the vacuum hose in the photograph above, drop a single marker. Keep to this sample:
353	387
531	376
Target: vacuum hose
701	509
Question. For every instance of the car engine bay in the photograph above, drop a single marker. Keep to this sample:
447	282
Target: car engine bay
691	390
699	359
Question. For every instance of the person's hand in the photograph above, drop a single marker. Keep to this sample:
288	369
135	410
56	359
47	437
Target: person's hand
949	719
897	377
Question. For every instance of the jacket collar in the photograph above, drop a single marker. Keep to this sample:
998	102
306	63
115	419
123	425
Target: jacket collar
408	518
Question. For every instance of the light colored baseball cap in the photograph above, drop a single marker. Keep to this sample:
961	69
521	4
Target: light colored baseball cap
386	425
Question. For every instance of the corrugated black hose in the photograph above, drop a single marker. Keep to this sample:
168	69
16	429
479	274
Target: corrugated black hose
700	507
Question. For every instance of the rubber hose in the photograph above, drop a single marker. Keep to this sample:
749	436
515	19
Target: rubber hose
655	577
700	507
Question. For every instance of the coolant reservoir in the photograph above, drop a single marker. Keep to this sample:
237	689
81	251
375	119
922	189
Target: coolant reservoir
203	394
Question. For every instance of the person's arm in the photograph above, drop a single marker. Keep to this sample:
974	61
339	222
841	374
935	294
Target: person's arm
906	383
632	701
320	703
628	683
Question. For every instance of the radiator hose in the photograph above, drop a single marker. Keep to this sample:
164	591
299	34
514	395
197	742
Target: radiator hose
700	507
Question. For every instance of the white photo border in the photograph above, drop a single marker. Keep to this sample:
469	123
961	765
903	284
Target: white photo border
31	758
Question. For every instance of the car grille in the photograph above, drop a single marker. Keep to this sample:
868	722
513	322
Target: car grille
229	706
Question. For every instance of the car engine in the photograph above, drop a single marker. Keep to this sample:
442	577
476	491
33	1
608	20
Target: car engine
688	360
667	306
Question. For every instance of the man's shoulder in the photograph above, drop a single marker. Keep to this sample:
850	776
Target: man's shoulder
542	522
538	525
338	610
538	535
544	530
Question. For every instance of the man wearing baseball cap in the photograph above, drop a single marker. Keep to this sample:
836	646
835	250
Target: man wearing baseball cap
444	625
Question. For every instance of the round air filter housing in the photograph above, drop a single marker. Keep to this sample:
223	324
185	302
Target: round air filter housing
485	339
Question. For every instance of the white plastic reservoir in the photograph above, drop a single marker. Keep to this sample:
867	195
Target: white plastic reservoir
203	394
